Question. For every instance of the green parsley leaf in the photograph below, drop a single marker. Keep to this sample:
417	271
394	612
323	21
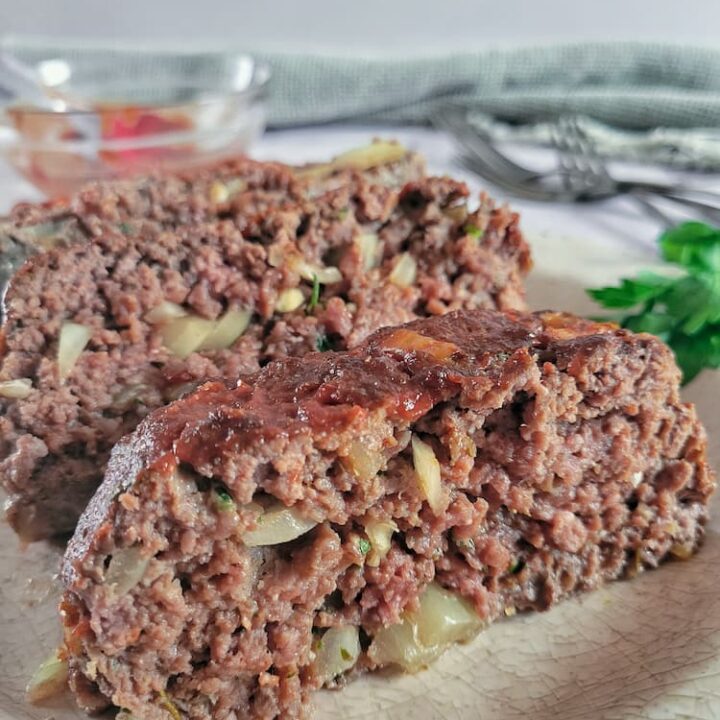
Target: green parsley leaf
314	295
696	352
659	324
223	500
473	231
694	245
645	287
323	343
683	310
364	546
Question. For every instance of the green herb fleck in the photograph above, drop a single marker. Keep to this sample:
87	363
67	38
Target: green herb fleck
125	228
682	310
323	343
223	500
364	546
473	231
345	654
342	214
516	566
314	295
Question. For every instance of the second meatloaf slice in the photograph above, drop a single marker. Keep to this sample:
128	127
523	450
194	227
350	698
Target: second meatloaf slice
237	189
99	333
346	511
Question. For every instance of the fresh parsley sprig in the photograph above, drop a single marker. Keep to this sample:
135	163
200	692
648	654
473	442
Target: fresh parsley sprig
684	310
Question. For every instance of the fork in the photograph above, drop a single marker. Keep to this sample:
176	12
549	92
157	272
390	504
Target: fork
583	168
585	171
580	176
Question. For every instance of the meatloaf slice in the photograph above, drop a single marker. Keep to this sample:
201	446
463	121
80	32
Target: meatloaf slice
99	333
345	511
237	188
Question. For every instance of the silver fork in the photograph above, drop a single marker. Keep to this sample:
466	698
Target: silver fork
581	175
585	171
580	167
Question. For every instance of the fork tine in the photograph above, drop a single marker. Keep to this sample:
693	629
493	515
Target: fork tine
705	210
454	121
563	156
589	149
576	172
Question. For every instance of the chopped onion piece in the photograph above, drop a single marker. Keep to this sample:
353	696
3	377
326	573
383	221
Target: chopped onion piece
17	389
399	645
278	524
275	255
427	471
336	652
363	158
363	462
169	706
184	335
442	619
126	569
308	271
48	680
445	617
369	246
405	271
379	534
227	329
682	551
73	340
165	311
457	213
221	192
289	300
370	156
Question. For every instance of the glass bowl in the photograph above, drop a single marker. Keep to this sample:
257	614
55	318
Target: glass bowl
141	111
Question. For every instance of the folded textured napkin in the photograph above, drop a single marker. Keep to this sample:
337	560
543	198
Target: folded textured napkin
647	101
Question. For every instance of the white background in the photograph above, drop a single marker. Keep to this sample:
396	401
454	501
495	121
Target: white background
376	26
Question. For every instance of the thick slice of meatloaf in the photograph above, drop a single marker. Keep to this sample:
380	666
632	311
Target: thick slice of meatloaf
238	189
92	344
345	511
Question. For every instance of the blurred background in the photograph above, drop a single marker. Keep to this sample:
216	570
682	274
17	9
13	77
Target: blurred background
638	81
383	26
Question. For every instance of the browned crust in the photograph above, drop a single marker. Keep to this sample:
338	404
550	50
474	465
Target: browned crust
327	392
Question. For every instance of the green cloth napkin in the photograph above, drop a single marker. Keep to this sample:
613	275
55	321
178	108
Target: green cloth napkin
643	101
631	85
